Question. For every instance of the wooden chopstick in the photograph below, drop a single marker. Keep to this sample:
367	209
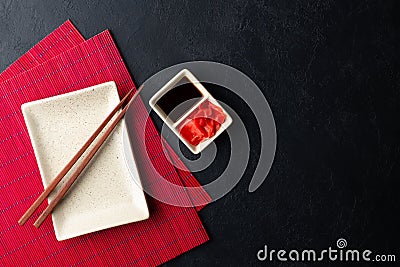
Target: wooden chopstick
69	165
80	168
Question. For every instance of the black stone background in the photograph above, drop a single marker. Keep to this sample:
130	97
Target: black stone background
330	71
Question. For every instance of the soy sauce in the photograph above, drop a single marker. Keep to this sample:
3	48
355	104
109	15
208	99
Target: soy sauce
179	99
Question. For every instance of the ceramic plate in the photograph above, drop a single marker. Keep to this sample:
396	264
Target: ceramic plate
105	195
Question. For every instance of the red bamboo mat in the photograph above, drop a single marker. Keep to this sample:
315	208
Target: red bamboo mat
60	40
170	230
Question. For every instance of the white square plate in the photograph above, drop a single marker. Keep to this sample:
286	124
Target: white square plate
105	195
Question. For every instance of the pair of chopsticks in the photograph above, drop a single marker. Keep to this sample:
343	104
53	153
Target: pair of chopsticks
125	103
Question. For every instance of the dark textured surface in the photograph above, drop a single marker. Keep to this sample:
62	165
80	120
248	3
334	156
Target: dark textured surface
330	71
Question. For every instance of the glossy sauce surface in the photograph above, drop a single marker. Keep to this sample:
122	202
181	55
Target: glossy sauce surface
179	99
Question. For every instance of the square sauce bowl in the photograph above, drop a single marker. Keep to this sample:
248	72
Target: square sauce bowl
190	111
